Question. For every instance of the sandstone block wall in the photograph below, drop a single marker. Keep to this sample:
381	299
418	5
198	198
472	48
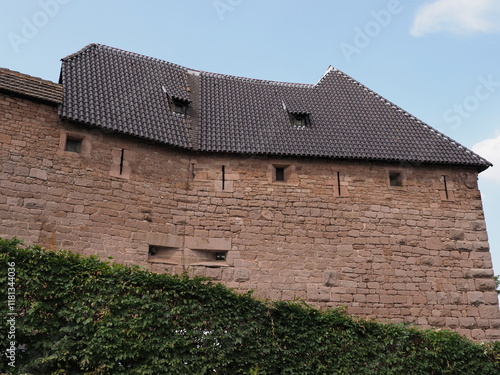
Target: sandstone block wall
334	233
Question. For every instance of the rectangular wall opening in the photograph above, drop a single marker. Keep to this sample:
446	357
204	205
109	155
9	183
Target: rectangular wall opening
164	254
73	144
279	174
208	258
395	179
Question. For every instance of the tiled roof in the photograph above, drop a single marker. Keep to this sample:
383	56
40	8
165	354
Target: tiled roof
28	86
129	93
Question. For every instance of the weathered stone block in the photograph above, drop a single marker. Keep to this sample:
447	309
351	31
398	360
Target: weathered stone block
478	273
5	138
491	298
34	203
489	312
433	243
330	278
457	234
467	323
241	275
318	293
485	284
38	173
475	298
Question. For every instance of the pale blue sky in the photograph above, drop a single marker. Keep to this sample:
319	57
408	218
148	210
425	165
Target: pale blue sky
437	59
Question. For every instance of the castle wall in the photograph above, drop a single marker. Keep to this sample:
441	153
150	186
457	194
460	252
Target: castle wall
333	233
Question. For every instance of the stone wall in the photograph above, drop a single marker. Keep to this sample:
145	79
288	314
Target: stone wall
333	233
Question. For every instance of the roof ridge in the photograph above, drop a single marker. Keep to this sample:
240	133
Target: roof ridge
190	70
412	117
256	80
122	51
80	51
323	77
19	74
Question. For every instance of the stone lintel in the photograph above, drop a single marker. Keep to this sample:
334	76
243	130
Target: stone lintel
166	240
202	243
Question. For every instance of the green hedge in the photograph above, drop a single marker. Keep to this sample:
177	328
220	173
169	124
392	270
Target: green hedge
78	315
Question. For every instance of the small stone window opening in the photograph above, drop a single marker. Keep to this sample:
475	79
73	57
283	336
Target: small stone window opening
73	144
279	173
395	179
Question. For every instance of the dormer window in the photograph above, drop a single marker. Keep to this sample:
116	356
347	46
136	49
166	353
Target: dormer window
299	120
179	106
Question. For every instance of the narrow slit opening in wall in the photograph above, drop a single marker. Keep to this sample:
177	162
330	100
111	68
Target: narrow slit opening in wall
338	184
223	177
121	161
445	187
191	167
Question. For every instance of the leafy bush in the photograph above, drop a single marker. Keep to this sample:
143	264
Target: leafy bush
79	315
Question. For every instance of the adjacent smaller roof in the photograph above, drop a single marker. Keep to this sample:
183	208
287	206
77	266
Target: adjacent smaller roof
28	86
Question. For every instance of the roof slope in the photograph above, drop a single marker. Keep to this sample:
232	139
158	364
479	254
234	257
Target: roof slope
127	92
28	86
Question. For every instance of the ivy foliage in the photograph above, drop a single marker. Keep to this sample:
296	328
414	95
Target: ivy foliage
79	315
